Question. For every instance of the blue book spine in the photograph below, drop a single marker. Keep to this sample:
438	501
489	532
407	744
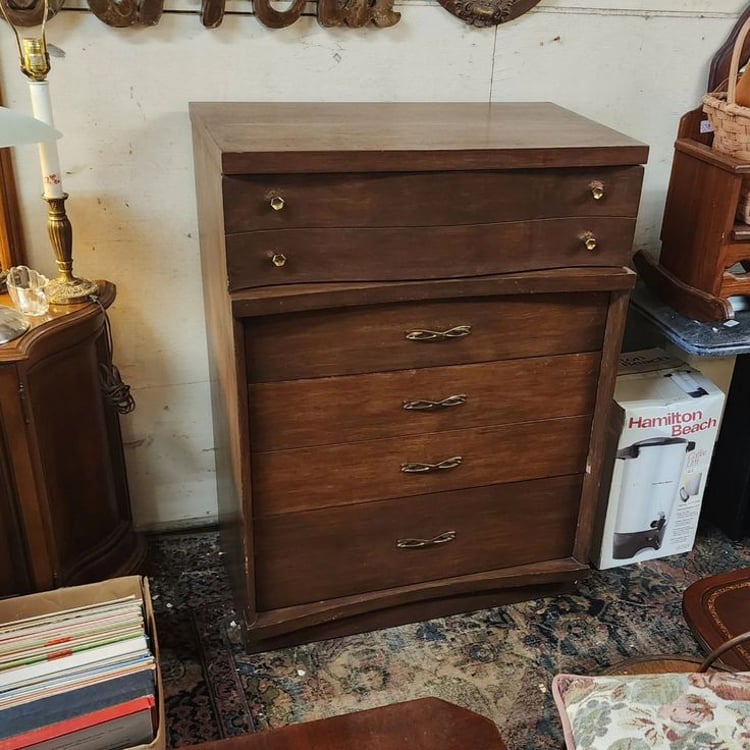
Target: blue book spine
52	709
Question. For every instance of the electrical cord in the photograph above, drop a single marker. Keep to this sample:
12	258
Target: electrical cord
116	393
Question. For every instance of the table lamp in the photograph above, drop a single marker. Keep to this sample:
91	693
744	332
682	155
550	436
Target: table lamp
34	60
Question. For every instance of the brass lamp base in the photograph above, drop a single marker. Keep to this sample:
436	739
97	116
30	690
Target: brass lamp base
69	291
66	289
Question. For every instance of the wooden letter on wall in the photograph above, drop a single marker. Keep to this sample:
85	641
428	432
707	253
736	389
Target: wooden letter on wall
122	13
357	13
278	19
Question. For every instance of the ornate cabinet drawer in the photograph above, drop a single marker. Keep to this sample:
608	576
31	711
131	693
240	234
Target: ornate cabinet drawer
346	473
303	413
390	253
345	551
422	334
419	199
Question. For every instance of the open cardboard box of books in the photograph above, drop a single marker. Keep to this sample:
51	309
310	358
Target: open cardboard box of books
49	602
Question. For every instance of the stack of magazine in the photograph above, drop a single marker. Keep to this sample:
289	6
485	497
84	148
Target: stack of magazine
80	678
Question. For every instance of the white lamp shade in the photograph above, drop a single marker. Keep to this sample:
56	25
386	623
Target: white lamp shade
17	129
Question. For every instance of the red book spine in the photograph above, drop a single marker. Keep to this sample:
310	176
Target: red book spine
77	723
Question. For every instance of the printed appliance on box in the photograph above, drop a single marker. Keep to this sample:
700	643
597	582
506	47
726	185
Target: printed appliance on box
664	423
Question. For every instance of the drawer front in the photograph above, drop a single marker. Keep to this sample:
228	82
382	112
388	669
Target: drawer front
398	337
294	256
342	474
302	413
336	552
425	199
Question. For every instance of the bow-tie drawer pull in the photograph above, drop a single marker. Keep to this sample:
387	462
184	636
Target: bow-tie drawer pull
417	468
444	538
424	404
427	336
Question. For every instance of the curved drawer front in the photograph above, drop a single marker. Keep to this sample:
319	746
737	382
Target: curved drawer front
422	334
391	254
427	198
348	473
325	554
303	413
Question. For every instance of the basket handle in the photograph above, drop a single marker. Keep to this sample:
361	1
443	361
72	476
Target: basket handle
734	66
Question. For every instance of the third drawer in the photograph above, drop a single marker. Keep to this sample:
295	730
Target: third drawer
375	338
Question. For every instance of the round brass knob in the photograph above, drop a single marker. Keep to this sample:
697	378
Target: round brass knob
597	190
278	259
277	203
589	241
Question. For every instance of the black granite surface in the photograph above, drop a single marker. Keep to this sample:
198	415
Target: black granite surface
701	339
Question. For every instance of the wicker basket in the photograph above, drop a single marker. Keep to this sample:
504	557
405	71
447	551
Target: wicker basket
731	123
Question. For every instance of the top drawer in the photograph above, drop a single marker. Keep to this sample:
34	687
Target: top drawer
428	198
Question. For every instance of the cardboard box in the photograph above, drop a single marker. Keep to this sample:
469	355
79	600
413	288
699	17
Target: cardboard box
16	608
663	427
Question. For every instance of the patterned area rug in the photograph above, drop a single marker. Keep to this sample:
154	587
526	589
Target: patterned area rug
497	662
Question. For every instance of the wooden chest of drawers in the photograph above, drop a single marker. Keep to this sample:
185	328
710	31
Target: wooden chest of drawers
414	314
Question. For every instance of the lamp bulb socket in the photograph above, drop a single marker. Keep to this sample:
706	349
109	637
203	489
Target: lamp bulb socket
35	62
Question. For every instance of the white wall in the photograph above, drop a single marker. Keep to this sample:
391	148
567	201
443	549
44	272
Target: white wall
121	97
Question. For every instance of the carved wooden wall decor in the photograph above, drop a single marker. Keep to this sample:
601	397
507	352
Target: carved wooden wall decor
352	13
487	12
122	13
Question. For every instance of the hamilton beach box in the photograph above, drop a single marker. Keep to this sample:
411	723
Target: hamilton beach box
664	423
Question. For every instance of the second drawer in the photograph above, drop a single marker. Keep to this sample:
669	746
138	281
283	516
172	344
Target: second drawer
325	554
296	256
349	473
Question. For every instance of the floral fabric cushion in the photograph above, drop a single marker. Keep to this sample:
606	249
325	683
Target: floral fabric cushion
692	711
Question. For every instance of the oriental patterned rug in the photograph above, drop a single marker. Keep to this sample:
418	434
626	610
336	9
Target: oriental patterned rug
497	662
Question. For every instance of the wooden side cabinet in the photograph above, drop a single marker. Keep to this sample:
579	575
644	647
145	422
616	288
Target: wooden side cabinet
64	505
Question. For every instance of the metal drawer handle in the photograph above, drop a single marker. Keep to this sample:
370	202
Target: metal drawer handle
589	241
456	332
597	190
279	260
443	538
426	405
277	202
416	468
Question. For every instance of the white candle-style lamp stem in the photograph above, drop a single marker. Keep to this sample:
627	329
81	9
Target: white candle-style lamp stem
41	106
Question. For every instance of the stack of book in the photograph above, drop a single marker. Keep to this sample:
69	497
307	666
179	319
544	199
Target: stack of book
79	678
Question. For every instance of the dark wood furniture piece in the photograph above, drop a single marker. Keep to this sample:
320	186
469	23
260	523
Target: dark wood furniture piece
414	314
423	724
701	238
717	610
64	504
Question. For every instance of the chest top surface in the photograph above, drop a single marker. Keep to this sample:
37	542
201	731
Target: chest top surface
249	137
